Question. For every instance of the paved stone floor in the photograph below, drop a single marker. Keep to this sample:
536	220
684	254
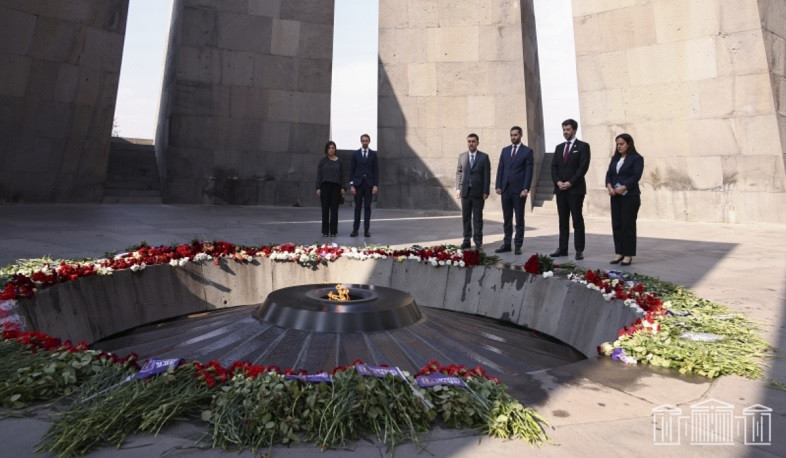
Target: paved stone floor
596	407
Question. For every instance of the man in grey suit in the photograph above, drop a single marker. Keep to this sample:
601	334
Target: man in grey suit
473	183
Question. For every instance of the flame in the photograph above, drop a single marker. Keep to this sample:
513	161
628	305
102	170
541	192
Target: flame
343	293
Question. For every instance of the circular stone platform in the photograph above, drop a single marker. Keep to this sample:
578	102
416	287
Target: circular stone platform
238	334
94	308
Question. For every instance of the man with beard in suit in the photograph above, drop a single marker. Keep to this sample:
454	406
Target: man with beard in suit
568	167
473	182
514	177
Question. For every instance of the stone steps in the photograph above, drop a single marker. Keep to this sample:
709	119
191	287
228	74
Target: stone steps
139	200
132	173
120	192
544	193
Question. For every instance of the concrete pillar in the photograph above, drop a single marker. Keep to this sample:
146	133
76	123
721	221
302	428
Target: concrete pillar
448	68
699	84
59	70
245	106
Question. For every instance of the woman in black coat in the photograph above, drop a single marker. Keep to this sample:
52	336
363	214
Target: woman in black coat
330	189
622	182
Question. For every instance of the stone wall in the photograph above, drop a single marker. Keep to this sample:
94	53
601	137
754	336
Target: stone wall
92	308
699	85
448	68
245	106
59	70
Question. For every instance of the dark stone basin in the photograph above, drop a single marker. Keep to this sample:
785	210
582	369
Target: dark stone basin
370	308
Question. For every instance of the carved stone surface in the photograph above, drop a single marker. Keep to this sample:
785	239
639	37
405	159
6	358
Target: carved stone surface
700	87
59	70
245	107
447	69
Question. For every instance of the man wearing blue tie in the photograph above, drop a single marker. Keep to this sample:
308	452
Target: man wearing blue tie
473	181
364	176
514	177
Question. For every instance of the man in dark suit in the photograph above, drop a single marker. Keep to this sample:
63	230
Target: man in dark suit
364	176
568	167
473	182
514	177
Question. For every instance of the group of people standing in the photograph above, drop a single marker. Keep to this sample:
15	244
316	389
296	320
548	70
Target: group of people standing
364	184
513	180
568	169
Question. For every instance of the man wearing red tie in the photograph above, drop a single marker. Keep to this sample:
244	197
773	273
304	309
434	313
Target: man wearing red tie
514	177
568	167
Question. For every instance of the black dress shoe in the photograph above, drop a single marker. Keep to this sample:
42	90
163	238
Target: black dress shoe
558	253
503	249
332	235
367	234
623	263
517	251
616	261
579	256
324	235
465	246
354	234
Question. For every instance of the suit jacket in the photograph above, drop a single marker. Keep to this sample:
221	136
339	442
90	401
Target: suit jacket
364	169
476	180
515	173
630	173
574	169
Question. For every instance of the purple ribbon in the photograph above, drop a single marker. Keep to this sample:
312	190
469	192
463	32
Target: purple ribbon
439	379
155	366
322	377
368	370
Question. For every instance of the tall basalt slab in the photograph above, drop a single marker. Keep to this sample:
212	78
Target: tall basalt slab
245	102
447	69
700	87
59	72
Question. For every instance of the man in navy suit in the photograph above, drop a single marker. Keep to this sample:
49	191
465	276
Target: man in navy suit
364	176
473	181
568	167
514	177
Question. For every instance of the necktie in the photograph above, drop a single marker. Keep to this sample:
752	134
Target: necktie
565	154
365	154
513	152
471	160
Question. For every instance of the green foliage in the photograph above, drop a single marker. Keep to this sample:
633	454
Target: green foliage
545	262
110	415
27	376
739	352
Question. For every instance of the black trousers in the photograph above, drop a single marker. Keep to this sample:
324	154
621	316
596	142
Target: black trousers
512	203
624	211
329	196
569	206
362	200
472	215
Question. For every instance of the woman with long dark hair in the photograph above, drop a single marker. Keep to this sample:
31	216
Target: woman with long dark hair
622	182
330	189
